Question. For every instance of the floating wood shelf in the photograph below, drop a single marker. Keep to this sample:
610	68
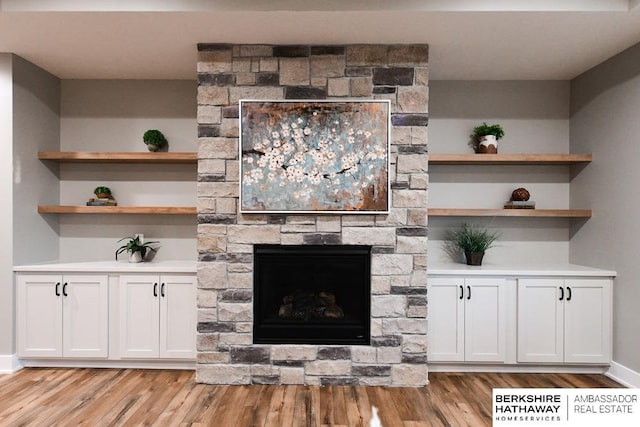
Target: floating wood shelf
508	159
148	210
117	157
532	213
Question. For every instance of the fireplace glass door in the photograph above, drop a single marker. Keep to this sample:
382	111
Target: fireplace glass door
312	294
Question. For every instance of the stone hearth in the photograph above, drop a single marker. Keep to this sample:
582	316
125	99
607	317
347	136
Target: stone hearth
226	352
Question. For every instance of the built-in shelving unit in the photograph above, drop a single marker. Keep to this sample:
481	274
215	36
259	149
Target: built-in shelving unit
532	213
147	210
118	157
508	159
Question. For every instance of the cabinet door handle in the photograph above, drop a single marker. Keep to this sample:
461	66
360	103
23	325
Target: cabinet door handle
569	291
58	289
561	293
155	289
468	292
64	289
461	292
162	290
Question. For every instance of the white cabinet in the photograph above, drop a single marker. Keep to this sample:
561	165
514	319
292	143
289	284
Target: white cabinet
157	316
467	319
564	320
62	315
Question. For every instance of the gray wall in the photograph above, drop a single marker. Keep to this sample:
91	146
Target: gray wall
36	127
605	103
535	116
112	115
6	215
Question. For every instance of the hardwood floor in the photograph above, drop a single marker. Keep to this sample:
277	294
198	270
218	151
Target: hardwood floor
110	397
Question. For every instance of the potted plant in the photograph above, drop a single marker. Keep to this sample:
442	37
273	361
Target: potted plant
154	139
472	241
103	192
486	138
135	248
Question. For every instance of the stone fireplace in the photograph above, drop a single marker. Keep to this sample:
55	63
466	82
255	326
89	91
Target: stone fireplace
389	347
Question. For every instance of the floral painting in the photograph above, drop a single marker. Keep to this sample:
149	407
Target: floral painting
314	156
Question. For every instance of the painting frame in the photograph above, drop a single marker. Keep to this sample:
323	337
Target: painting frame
314	156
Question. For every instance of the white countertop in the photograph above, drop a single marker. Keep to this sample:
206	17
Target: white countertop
111	267
488	269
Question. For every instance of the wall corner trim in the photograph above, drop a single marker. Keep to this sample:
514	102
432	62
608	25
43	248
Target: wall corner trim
9	364
623	375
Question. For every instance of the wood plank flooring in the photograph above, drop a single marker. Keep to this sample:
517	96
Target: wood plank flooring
122	397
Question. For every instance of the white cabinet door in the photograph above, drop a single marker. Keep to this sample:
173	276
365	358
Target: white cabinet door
587	321
446	319
85	308
178	317
39	315
139	316
485	320
564	321
540	320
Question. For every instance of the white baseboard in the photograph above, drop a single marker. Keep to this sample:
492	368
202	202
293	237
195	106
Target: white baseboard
623	375
530	369
117	364
9	364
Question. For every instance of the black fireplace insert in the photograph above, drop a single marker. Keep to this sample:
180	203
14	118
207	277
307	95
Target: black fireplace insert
308	294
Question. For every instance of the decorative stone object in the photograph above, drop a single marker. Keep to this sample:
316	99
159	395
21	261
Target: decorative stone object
520	195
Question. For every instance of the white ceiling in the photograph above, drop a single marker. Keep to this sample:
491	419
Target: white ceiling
469	39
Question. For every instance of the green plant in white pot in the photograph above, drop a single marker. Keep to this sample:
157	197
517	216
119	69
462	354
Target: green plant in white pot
486	138
136	250
473	241
154	139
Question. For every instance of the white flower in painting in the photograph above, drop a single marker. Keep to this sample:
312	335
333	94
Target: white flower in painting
351	139
331	155
350	131
307	131
271	176
299	120
249	160
276	143
293	161
359	132
275	135
262	161
287	147
285	133
367	134
294	125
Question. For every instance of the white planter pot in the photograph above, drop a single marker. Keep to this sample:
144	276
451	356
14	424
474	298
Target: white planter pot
135	256
488	144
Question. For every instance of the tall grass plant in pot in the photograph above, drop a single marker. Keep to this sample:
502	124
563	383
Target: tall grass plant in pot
474	242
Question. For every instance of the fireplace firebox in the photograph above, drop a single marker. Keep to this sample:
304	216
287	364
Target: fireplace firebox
308	294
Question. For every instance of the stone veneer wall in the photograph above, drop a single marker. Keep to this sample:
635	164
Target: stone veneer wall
226	354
